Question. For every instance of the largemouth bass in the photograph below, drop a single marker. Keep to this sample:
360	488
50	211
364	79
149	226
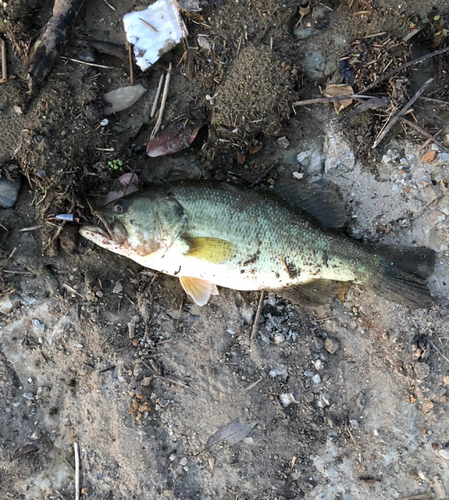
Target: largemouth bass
215	233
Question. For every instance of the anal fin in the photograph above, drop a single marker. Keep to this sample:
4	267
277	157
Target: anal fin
314	293
200	290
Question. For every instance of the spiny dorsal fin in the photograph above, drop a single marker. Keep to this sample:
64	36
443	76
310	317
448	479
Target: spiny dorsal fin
200	290
321	200
212	250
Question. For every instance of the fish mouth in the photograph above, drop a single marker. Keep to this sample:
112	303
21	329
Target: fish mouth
97	235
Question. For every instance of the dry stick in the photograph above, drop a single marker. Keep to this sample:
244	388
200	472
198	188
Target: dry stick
131	69
4	66
77	470
436	101
404	66
424	133
102	66
330	99
256	318
438	351
158	93
109	5
398	115
163	101
428	141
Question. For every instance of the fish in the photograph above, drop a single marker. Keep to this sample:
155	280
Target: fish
213	234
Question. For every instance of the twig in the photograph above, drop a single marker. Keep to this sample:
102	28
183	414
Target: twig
72	290
88	63
149	25
25	229
131	67
77	470
400	113
331	99
418	497
424	133
256	317
438	351
436	101
254	384
163	101
8	259
429	140
156	97
109	5
404	66
4	66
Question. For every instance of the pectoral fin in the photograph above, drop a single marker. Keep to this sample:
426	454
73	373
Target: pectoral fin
212	250
200	290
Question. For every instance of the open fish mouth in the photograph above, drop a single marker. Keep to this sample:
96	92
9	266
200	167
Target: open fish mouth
97	235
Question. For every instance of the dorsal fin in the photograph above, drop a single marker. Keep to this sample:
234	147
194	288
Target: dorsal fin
322	200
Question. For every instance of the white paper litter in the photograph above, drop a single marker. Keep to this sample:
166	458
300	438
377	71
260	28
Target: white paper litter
154	31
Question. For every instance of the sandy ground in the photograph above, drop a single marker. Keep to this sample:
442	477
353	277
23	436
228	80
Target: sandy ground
169	400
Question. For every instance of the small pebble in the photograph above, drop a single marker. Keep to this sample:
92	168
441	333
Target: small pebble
422	370
183	461
427	406
104	122
39	327
319	343
283	142
318	364
87	55
316	378
331	345
446	380
278	338
118	288
287	399
324	400
146	381
354	424
309	373
444	453
9	191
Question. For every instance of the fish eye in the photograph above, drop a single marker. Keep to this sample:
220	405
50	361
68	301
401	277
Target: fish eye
119	208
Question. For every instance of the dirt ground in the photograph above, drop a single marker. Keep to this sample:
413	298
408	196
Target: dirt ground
343	401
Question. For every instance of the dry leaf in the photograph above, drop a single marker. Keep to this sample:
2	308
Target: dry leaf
174	138
126	184
334	90
231	433
429	156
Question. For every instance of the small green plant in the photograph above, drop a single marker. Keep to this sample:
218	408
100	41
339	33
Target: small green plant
115	164
439	25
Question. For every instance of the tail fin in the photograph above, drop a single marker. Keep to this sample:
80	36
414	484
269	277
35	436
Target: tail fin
403	275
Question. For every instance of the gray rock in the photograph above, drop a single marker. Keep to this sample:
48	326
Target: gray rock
319	343
331	345
87	55
314	65
122	98
9	191
422	370
304	32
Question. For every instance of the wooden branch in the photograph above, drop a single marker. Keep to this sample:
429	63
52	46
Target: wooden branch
400	113
48	46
